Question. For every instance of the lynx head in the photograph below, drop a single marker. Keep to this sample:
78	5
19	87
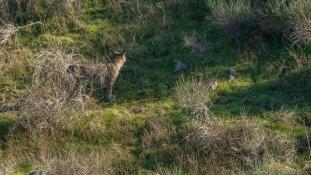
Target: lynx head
119	58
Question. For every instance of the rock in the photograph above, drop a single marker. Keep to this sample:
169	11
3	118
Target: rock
232	74
180	65
36	173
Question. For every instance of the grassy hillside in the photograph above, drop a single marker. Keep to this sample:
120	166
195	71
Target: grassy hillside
163	120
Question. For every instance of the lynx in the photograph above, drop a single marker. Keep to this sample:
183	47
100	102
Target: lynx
105	73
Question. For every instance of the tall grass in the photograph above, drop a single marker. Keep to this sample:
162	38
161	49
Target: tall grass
22	12
195	94
242	17
297	15
236	19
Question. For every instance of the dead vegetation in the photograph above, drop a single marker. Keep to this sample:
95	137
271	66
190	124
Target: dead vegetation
215	146
54	99
195	94
44	154
75	164
243	143
8	31
7	165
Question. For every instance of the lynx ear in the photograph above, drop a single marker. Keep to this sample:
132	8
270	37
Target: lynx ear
116	53
123	52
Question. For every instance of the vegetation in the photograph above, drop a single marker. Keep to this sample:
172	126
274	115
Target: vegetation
165	119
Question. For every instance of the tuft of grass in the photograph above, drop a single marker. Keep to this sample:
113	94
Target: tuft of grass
297	15
195	94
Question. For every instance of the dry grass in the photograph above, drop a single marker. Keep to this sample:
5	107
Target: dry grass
232	11
46	155
242	143
159	131
302	32
297	15
213	146
238	20
8	31
138	10
75	164
7	165
15	10
195	94
273	167
298	12
55	98
14	74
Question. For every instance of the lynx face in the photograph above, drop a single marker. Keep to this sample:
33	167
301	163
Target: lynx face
119	58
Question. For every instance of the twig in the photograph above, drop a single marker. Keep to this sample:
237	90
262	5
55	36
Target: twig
9	30
31	24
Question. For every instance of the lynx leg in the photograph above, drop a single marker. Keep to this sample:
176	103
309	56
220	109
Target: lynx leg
109	87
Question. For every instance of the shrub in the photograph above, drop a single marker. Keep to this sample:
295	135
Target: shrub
298	17
55	97
241	143
195	94
214	146
236	18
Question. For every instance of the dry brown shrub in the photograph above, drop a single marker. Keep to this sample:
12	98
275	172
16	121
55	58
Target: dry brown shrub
54	99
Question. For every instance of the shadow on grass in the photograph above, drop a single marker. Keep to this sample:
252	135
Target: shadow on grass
5	126
293	92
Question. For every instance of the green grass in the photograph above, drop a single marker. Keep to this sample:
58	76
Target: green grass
125	122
